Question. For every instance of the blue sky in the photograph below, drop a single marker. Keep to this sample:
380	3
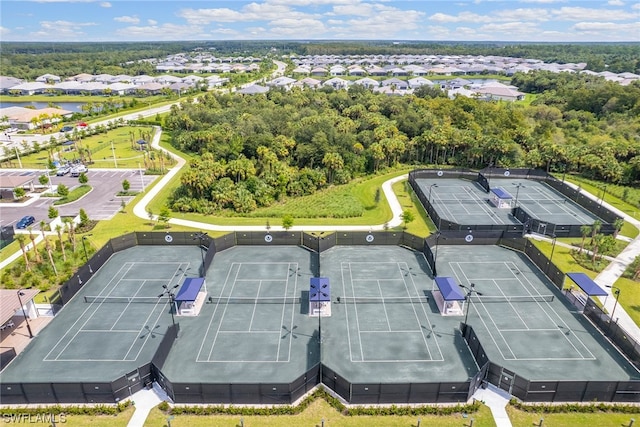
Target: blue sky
145	20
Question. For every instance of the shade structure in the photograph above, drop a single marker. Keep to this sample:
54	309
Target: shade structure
189	289
449	289
585	283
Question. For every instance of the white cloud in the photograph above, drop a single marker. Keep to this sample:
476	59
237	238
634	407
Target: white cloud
297	28
615	3
105	4
313	2
166	31
4	30
461	17
249	12
152	22
386	22
588	14
60	30
513	28
127	19
636	6
543	1
599	27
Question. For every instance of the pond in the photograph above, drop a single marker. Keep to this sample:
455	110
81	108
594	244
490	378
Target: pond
69	106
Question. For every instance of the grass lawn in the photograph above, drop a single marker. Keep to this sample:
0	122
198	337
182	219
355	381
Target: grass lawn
595	188
630	297
361	191
601	419
563	259
101	151
422	225
119	420
312	416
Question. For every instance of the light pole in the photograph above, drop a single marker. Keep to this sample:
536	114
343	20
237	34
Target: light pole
604	190
170	292
24	313
84	247
429	196
435	257
616	291
518	187
200	236
553	247
470	290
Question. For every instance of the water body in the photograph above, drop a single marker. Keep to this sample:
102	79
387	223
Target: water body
69	106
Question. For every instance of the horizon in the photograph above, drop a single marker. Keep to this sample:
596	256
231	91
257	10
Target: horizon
464	21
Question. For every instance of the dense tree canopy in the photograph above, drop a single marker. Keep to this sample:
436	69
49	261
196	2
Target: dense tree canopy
259	149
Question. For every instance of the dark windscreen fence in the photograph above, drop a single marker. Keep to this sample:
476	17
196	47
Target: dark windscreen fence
615	332
428	253
267	238
413	242
124	242
348	238
327	241
225	242
484	182
319	241
6	355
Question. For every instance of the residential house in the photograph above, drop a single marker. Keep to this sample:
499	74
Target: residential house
337	83
253	90
48	78
396	83
308	82
367	82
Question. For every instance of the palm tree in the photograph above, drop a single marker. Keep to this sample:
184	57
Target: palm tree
585	230
47	246
597	241
22	240
617	226
42	225
595	228
33	244
72	235
59	231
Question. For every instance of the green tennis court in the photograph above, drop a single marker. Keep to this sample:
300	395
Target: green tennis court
537	334
465	202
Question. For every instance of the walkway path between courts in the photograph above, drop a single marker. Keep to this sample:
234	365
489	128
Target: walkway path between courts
144	401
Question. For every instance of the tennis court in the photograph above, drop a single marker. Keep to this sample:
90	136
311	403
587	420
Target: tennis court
93	341
386	327
466	202
522	320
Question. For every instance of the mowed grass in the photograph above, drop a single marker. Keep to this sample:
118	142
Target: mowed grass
126	155
316	412
630	298
563	259
421	226
119	420
571	419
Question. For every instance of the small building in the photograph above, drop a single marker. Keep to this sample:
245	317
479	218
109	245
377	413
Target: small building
501	198
319	297
448	296
191	296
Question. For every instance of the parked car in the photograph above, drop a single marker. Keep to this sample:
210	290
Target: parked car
63	170
25	221
76	170
67	129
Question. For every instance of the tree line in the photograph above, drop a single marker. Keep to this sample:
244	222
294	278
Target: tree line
257	150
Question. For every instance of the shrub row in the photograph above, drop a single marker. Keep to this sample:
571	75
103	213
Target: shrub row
70	410
318	394
575	407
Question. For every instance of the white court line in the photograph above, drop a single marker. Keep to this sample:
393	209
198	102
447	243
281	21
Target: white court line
415	313
410	331
511	305
168	283
284	309
485	209
355	308
109	330
224	311
128	304
384	306
204	339
255	305
557	316
455	272
346	311
91	305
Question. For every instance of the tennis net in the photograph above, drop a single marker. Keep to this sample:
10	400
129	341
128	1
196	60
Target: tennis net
461	201
511	298
544	201
425	299
210	300
125	300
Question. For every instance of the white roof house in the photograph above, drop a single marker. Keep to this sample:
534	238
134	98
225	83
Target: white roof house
336	83
48	78
419	81
367	82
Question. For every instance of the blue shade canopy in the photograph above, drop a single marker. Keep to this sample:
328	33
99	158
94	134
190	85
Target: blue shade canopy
189	289
449	289
585	283
319	289
501	193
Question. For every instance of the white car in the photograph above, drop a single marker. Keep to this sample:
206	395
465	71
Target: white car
63	170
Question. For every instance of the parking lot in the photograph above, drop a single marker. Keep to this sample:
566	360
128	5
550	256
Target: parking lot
101	203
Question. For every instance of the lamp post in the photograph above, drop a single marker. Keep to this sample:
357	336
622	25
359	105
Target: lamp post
604	190
429	196
553	248
616	291
24	313
435	257
200	236
84	247
170	292
518	187
470	290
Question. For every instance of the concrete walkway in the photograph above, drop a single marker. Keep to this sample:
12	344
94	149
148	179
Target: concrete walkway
496	399
144	401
